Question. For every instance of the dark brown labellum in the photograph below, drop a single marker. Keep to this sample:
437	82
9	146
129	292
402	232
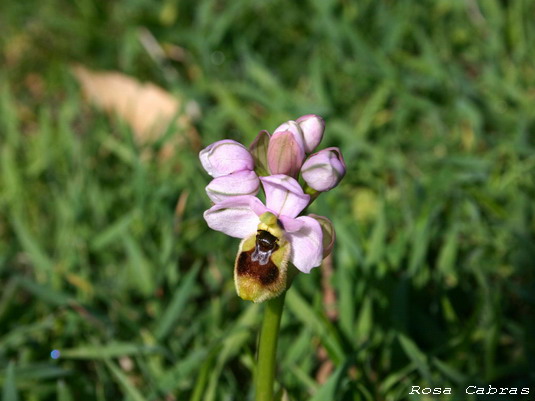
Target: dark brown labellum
266	273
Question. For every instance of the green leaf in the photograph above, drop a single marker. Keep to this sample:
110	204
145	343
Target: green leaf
9	392
63	391
420	242
448	253
45	293
179	301
416	356
96	352
32	245
330	389
365	321
124	382
140	269
113	232
376	247
310	317
373	105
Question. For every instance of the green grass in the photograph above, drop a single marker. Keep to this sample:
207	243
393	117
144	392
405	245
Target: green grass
432	106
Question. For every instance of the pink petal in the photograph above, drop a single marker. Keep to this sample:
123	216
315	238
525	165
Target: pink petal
243	182
233	216
290	224
225	157
258	207
312	127
285	155
307	249
296	131
284	195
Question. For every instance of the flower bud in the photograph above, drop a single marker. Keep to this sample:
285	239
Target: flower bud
239	183
285	155
225	157
328	233
294	128
312	127
323	170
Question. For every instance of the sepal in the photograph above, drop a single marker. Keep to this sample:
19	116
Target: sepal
225	157
259	151
328	233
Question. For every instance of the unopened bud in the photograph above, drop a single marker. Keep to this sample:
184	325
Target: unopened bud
322	171
285	155
312	127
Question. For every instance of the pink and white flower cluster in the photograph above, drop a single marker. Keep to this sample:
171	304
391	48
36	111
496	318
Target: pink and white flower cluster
275	163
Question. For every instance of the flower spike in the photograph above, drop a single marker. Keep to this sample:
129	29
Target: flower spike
276	233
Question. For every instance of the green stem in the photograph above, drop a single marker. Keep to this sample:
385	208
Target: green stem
267	348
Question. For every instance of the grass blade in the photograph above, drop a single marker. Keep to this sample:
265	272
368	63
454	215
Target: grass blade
179	301
124	382
9	392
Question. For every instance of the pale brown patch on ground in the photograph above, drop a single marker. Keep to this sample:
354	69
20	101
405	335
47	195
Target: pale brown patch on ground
148	109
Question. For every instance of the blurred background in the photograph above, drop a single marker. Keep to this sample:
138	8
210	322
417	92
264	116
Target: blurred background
111	285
